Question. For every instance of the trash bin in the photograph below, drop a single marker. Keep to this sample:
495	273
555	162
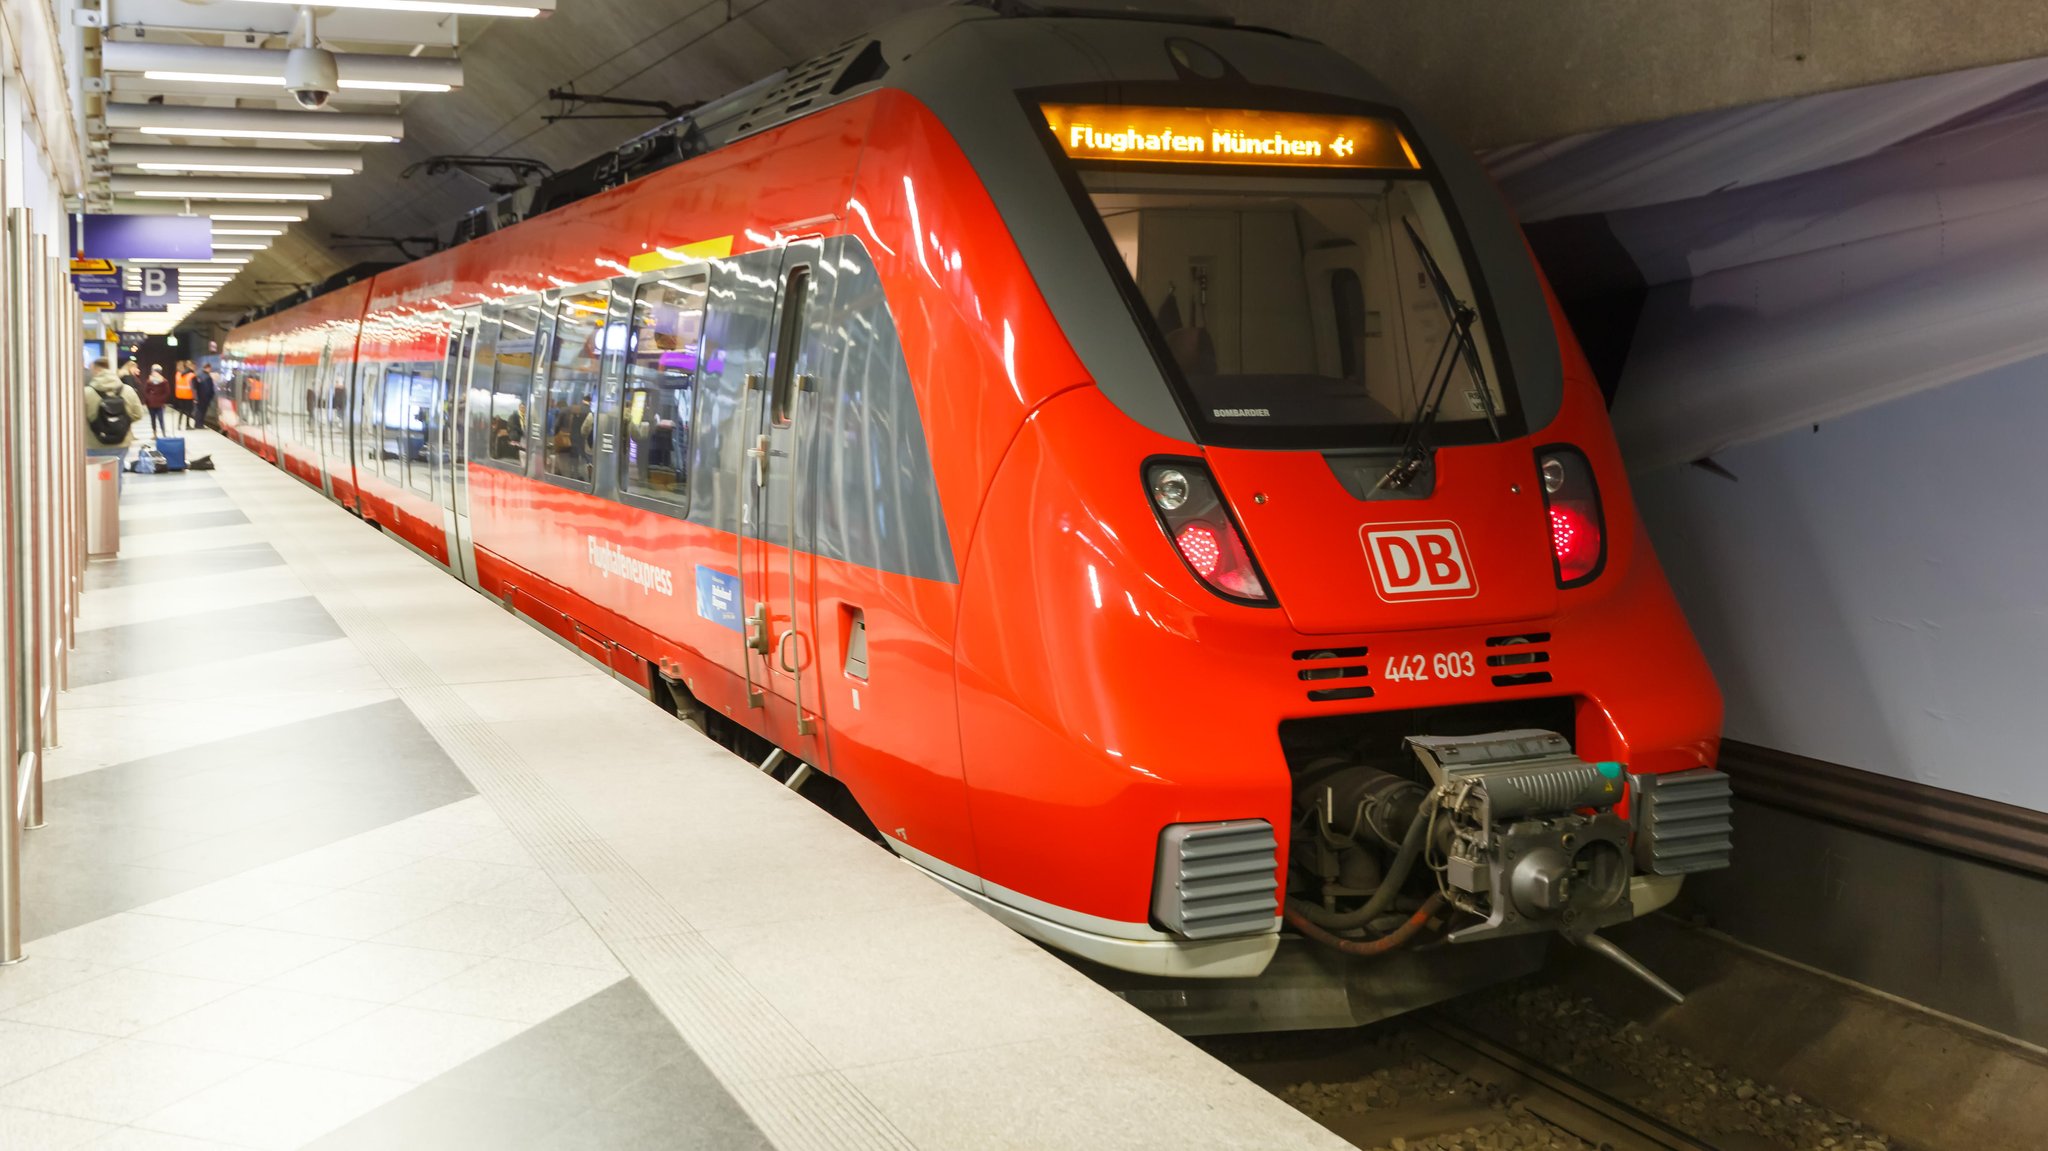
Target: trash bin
103	506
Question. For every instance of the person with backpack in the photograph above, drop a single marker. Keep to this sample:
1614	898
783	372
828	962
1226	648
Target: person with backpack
111	409
155	394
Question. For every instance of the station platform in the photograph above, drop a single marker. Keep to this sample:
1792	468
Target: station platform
340	854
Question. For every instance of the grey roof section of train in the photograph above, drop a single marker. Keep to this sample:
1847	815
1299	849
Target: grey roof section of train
967	65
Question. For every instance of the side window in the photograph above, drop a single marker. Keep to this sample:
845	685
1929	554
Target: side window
337	412
573	356
370	381
392	414
422	422
511	387
661	379
795	299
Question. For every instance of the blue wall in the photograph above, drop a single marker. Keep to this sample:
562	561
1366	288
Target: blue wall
1875	593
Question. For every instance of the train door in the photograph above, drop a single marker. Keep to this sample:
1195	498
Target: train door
776	564
450	453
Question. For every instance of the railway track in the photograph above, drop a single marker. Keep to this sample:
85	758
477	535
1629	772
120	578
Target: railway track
1530	1069
1547	1094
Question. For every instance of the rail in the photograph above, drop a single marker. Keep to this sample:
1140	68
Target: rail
1548	1093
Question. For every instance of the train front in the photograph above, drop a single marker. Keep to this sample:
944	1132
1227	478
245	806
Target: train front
1325	614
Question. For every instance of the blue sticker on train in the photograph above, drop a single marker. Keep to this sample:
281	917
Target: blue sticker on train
718	598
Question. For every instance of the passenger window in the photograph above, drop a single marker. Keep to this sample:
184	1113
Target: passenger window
512	384
422	424
371	439
337	412
661	379
392	422
783	403
572	385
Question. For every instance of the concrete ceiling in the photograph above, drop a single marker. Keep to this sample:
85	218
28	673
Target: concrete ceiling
1494	71
678	51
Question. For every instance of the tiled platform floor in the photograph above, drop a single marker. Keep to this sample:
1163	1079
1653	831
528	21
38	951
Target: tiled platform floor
324	867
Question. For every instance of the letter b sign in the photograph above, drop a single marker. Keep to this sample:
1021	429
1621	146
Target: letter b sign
1419	561
158	284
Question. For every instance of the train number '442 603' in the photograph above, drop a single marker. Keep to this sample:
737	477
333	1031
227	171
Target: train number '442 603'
1441	665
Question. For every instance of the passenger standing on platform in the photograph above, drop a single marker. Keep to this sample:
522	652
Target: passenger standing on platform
181	394
202	395
111	409
156	393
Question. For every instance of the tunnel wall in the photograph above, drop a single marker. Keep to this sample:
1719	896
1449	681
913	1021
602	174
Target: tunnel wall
1873	592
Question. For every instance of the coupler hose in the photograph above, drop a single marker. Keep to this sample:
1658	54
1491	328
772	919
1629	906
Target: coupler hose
1383	895
1369	947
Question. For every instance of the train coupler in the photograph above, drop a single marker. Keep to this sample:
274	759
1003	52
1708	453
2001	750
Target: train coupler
1528	836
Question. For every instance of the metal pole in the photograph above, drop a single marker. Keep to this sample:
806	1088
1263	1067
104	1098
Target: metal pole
16	329
27	396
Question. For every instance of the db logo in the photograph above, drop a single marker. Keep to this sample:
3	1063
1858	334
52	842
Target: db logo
1419	561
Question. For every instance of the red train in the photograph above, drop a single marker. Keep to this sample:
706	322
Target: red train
1140	461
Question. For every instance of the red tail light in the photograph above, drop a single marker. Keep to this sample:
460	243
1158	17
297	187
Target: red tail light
1202	531
1578	533
1202	548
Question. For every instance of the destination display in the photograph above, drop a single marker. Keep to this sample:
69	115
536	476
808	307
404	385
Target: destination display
1123	132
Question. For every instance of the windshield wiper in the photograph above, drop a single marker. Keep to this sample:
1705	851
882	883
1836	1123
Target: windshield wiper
1415	449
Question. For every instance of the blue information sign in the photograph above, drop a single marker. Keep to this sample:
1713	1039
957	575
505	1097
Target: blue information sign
718	597
142	237
98	287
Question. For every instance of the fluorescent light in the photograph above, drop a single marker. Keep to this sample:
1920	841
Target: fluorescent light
248	231
215	78
265	134
394	86
458	7
256	161
255	217
265	67
220	247
169	195
257	169
253	123
217	188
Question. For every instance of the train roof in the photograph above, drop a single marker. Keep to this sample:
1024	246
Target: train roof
976	66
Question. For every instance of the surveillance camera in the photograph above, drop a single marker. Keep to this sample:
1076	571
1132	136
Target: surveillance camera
310	76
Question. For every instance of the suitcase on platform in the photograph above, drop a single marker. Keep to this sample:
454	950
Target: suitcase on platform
173	448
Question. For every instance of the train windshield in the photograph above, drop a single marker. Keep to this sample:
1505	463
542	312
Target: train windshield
1299	311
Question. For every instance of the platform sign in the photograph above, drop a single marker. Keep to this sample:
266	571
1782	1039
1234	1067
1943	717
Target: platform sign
91	267
154	289
97	289
112	237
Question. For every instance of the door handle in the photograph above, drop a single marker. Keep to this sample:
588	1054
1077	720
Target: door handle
757	629
782	650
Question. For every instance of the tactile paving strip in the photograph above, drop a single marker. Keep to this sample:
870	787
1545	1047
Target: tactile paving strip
798	1100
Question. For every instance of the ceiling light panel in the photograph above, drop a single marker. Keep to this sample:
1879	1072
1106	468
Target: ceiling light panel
239	161
169	120
455	7
231	214
264	67
155	187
